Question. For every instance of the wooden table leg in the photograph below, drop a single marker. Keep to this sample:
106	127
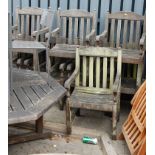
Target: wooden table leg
39	125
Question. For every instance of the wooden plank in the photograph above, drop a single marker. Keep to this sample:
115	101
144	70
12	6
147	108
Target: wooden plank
31	94
88	26
46	88
38	26
104	72
131	34
111	72
138	6
73	4
64	28
44	4
125	33
15	103
112	33
91	69
84	5
127	5
104	9
32	23
23	98
76	31
107	146
34	3
118	33
25	3
115	6
82	32
63	5
54	4
16	3
98	72
84	74
137	34
22	24
27	27
38	91
70	30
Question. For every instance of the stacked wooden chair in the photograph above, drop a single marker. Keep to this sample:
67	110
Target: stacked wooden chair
75	27
126	30
31	24
134	128
97	77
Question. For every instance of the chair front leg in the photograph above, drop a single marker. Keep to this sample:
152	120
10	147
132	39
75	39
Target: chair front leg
139	74
68	114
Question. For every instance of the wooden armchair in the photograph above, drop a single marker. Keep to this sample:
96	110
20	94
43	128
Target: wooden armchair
75	27
31	25
126	30
97	79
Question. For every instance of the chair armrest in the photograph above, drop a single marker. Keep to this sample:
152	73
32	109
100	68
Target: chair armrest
54	33
15	27
142	39
71	79
91	35
102	36
117	85
41	31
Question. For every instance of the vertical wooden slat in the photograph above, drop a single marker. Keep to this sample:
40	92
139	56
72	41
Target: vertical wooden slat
119	62
73	4
53	4
63	4
91	68
32	24
127	5
98	72
22	25
112	33
104	72
82	31
64	29
34	3
118	33
38	26
137	34
44	4
77	80
115	6
125	33
131	34
84	5
27	27
70	30
76	31
88	26
138	7
111	72
84	74
16	4
25	3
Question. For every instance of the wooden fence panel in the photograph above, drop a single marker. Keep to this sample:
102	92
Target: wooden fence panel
44	4
25	3
127	5
73	4
116	4
84	4
104	9
54	4
34	3
63	4
138	7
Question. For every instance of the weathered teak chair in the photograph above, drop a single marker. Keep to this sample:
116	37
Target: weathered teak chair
97	83
75	27
126	30
31	25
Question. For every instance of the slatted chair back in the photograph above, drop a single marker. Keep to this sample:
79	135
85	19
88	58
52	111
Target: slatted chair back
74	25
31	19
124	29
98	68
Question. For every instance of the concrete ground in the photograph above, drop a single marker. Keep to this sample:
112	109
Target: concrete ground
94	120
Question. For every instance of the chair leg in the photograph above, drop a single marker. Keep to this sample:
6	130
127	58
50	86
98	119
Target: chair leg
114	122
68	117
139	74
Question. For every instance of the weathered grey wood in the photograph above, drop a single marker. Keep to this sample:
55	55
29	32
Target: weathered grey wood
82	31
112	33
76	31
38	91
88	25
27	26
70	30
95	96
25	101
46	88
125	31
64	28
